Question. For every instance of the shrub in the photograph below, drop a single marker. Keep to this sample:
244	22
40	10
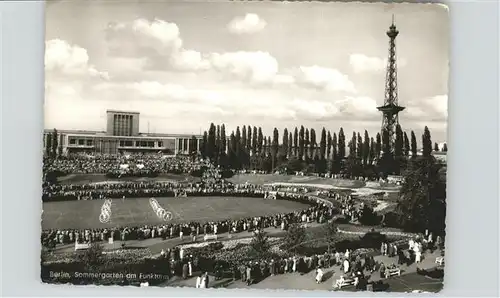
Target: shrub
294	237
260	243
391	219
369	217
372	240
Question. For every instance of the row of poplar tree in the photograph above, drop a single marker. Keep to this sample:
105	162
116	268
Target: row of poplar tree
52	146
302	149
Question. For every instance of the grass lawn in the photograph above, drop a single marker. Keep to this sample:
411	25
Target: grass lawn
269	178
135	212
96	178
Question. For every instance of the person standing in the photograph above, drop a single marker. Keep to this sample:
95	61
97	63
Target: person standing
198	282
249	275
206	278
185	271
319	275
346	266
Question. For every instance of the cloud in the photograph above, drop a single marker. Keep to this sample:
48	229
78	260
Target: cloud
157	41
434	108
322	78
363	63
249	24
361	107
253	66
160	46
66	59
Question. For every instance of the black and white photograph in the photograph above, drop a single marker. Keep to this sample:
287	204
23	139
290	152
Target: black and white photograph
258	145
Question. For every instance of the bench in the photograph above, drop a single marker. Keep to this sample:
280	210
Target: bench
440	261
392	272
339	283
209	237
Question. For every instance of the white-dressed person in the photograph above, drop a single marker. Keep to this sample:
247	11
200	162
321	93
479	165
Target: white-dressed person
346	266
418	254
198	281
319	275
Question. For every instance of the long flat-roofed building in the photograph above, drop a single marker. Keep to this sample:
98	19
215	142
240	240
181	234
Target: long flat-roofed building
122	135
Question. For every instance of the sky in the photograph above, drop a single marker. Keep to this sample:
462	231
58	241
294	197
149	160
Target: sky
185	64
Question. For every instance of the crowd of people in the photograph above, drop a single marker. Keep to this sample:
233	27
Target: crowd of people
354	266
122	164
319	211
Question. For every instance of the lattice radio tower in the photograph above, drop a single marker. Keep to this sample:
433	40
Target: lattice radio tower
390	109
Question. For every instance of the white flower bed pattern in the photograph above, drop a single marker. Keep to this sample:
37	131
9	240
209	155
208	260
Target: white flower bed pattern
227	244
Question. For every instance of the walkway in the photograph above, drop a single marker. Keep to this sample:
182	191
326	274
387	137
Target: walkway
408	281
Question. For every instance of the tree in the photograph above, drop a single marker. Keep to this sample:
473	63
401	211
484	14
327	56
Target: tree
445	147
238	150
426	143
285	142
249	140
48	145
378	146
422	203
386	162
413	144
373	151
436	147
329	145
204	144
254	140
335	158
290	145
223	147
231	154
306	145
260	243
366	149
330	232
312	144
322	144
223	139
295	141
269	145
294	237
55	142
217	145
352	145
210	149
359	148
406	145
260	140
398	150
243	138
274	147
341	144
398	142
301	142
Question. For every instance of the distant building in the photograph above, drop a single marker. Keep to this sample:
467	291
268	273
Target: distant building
439	155
122	135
